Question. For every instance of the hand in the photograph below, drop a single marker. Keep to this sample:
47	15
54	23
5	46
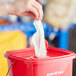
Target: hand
29	8
4	8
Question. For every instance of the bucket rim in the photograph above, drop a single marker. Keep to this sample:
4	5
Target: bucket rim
71	55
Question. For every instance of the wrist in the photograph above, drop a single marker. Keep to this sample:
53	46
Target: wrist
10	7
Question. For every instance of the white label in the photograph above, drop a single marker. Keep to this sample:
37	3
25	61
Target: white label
55	73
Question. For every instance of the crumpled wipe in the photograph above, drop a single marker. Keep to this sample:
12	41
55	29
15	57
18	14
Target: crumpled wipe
38	40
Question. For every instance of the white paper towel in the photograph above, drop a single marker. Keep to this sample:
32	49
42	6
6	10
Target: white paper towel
38	40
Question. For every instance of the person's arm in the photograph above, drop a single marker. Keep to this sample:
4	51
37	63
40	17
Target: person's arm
4	8
29	8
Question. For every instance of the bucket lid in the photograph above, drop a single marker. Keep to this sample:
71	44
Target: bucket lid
28	55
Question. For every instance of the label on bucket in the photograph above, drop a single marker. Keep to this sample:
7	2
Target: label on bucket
55	73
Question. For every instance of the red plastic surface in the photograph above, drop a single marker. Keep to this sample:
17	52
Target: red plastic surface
57	63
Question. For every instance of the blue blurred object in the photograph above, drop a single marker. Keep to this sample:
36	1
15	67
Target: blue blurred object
63	39
73	26
29	30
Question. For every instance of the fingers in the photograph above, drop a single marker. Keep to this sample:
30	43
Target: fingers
39	9
30	14
33	13
30	8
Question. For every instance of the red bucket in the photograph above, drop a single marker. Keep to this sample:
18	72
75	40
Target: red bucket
24	63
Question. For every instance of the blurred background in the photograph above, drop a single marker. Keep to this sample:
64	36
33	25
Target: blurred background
59	24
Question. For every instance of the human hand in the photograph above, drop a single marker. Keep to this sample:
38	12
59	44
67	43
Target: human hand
29	8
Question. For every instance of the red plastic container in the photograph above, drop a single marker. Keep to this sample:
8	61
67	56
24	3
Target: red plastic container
57	63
